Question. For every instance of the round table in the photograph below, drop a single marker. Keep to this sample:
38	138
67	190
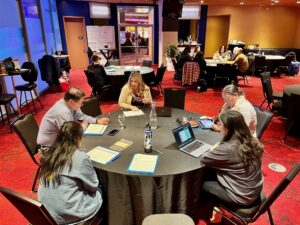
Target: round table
292	89
174	187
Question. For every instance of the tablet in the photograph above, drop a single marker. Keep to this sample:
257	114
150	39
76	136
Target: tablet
206	123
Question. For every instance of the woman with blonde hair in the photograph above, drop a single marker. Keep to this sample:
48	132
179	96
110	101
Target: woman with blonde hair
135	93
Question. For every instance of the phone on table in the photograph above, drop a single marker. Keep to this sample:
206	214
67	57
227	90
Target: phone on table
113	132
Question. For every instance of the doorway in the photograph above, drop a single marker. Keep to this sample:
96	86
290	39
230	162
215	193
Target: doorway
217	30
76	41
135	34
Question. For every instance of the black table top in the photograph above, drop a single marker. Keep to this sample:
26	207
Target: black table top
171	162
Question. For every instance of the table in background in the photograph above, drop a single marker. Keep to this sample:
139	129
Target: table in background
175	186
273	61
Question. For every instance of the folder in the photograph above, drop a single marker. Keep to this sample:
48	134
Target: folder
144	164
103	155
95	130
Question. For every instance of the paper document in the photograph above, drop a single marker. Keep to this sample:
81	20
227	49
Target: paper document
128	68
133	113
95	129
121	145
142	163
103	155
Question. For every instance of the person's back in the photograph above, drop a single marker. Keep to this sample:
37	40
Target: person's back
241	61
200	60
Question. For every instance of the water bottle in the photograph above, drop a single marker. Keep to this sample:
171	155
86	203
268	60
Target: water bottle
153	117
148	139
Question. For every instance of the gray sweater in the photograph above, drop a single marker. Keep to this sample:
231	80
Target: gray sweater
243	186
77	198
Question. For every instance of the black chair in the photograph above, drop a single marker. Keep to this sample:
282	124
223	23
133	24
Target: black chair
177	76
292	113
276	95
250	214
50	70
174	97
222	74
159	77
91	107
22	126
147	63
260	64
273	105
33	210
31	78
283	67
263	119
97	90
4	100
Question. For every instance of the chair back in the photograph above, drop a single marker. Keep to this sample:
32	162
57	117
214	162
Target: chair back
168	219
267	86
160	74
293	108
32	74
91	78
174	64
174	97
287	60
32	210
260	61
21	126
278	190
147	63
126	75
263	119
91	107
149	79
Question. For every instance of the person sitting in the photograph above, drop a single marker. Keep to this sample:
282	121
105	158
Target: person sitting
183	58
65	109
234	99
201	62
135	93
69	187
236	165
241	61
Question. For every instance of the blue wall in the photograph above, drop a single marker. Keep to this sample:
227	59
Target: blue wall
71	8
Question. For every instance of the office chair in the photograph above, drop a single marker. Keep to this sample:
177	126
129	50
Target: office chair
91	107
33	210
31	78
168	219
292	113
250	214
174	97
4	100
263	120
21	126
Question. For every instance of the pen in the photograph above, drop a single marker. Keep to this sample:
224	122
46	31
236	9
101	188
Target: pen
157	151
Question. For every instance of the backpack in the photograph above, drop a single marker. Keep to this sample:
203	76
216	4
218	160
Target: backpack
293	68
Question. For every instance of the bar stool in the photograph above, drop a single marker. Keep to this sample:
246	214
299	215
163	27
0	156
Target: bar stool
4	100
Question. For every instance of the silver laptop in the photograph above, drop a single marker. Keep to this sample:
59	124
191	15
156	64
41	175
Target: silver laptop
187	142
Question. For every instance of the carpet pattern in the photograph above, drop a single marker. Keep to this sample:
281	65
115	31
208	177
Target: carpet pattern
17	170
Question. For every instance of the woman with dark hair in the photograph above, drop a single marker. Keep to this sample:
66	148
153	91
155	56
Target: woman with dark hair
69	187
236	161
183	58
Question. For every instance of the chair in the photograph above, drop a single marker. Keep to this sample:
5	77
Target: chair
177	77
31	78
168	219
147	63
222	73
263	120
190	73
97	90
260	63
159	77
91	107
283	67
273	105
250	214
21	126
4	100
50	70
276	95
175	97
293	113
33	210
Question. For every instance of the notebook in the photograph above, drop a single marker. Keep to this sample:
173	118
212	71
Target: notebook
143	163
103	155
95	130
163	111
187	142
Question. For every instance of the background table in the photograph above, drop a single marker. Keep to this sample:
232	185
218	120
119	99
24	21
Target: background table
178	177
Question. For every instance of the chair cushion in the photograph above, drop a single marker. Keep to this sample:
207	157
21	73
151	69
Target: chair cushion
6	98
25	87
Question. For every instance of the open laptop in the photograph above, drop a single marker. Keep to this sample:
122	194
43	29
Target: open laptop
187	142
163	111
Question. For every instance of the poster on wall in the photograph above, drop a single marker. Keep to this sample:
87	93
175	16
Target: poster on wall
100	37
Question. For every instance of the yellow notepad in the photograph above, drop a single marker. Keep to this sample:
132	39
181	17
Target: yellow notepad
95	129
103	155
121	145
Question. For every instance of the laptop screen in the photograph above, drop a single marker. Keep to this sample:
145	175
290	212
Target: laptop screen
183	135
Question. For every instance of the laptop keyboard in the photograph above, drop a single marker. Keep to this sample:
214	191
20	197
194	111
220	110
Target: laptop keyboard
193	146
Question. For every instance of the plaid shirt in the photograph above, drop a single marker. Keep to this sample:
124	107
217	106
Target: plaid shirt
190	73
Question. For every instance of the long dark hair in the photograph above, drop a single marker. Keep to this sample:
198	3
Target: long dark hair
250	148
60	155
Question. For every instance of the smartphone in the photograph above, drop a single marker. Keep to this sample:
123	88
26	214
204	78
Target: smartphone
113	132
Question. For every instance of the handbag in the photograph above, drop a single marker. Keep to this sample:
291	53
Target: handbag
9	64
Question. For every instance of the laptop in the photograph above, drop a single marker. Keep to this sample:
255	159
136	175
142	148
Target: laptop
187	142
163	111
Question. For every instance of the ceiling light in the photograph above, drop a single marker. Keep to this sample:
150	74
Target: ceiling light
242	3
203	1
298	1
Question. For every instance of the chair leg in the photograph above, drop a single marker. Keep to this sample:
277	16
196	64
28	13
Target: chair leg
26	100
262	102
2	117
32	101
288	130
270	216
35	179
7	115
21	99
38	98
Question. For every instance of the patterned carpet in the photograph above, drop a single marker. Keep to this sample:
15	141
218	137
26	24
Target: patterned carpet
17	170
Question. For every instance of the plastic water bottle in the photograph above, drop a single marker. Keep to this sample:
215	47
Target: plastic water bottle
153	117
148	139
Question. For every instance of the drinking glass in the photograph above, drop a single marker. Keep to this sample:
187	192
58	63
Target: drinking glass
121	119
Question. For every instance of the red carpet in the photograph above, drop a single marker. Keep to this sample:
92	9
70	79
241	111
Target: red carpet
17	170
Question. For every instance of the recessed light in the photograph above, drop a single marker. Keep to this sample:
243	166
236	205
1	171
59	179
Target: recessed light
242	3
298	1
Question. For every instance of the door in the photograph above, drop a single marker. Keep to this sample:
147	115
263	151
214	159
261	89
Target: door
76	41
216	33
